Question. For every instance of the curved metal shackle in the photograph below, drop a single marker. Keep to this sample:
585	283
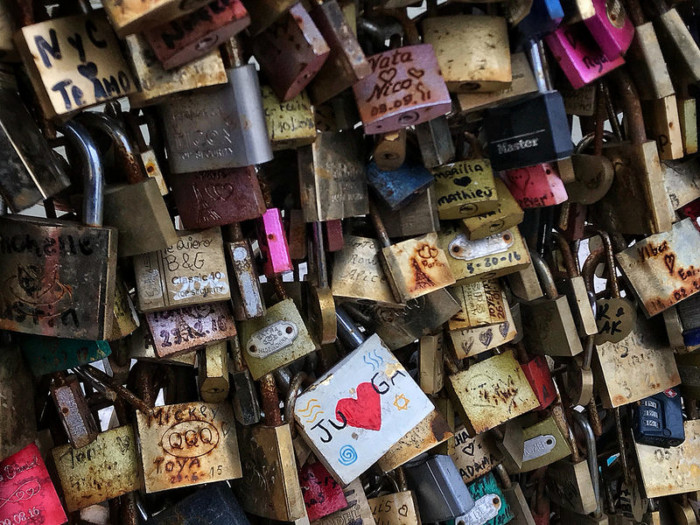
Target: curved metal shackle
348	331
119	137
545	275
93	174
592	457
587	141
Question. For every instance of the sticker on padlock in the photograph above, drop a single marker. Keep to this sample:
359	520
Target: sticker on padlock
544	443
490	506
272	338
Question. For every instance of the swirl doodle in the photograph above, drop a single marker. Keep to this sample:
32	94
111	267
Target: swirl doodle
25	492
348	455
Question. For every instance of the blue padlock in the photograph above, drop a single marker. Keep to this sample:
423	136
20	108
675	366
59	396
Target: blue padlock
658	420
398	188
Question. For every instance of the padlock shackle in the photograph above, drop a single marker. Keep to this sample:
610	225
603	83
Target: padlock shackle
635	12
589	139
503	475
232	53
631	105
320	248
536	51
270	400
569	262
123	146
93	174
348	331
609	260
590	265
545	275
410	32
295	388
378	224
592	457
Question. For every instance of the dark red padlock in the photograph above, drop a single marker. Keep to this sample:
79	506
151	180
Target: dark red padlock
323	495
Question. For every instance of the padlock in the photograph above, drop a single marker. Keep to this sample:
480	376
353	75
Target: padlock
43	293
332	177
215	198
157	83
575	484
129	206
357	272
26	489
507	215
189	272
474	456
531	132
233	136
490	505
141	348
491	392
207	506
663	125
680	51
466	188
523	85
658	420
398	507
667	471
469	342
486	258
545	442
273	243
417	218
275	339
534	19
245	399
438	487
388	402
661	268
435	142
333	235
346	63
577	10
71	404
182	329
107	468
536	186
399	187
515	498
212	377
246	292
431	370
390	150
132	16
269	465
198	439
264	13
320	304
404	87
636	201
646	61
473	52
358	511
290	52
46	355
126	320
553	327
414	267
193	35
537	372
322	494
482	303
17	407
290	124
611	28
573	286
31	172
69	77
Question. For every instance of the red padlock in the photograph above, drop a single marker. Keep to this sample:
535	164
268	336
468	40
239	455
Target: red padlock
323	495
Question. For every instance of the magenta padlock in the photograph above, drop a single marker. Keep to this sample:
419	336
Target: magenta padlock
536	186
291	52
611	28
405	88
273	243
195	34
579	56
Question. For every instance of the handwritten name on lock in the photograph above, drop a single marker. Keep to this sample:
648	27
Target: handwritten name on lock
405	88
354	413
78	60
188	444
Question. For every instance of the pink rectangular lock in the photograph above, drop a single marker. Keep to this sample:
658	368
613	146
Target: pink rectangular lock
536	186
195	34
27	494
273	243
611	28
404	88
579	56
291	52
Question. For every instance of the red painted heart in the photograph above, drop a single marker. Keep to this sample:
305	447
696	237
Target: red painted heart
363	412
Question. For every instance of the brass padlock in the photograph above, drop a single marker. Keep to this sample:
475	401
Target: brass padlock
474	456
469	342
79	64
134	16
545	443
290	124
507	215
213	374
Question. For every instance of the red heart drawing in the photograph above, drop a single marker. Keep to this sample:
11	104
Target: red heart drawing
363	412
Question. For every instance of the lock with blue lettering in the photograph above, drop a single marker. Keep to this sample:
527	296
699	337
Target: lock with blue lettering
658	420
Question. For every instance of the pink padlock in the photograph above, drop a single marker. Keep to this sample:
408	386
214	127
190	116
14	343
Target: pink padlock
291	52
579	56
195	34
27	494
536	186
611	28
273	243
405	88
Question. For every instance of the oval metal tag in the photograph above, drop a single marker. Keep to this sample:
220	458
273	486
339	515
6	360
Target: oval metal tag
538	446
462	248
272	338
485	509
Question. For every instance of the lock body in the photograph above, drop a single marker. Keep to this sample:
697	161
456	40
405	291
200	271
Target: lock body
134	16
465	189
212	504
290	124
658	420
48	354
506	215
398	187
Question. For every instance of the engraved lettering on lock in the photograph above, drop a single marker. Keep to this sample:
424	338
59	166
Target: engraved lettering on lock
464	249
272	339
189	439
538	446
485	508
494	393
